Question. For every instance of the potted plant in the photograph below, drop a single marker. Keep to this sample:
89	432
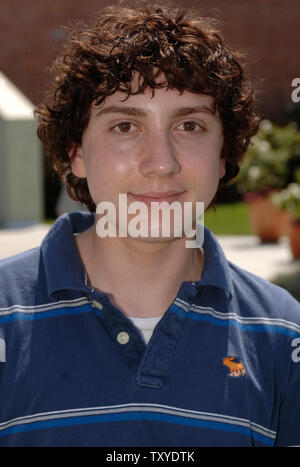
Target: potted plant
265	170
288	200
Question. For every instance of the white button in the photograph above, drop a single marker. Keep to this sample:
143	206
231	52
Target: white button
123	338
98	305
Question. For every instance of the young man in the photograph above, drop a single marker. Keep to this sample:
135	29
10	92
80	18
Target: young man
125	340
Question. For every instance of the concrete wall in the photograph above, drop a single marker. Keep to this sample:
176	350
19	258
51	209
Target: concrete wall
21	172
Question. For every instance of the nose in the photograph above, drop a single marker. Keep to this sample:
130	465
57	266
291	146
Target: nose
158	156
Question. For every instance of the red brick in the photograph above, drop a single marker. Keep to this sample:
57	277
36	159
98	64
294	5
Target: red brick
268	31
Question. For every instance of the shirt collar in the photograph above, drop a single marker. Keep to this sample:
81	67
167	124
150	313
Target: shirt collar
216	270
63	266
65	271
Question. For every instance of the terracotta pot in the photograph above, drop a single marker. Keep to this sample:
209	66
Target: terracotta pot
294	238
267	222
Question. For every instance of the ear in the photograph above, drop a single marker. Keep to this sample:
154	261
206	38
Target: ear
77	162
222	167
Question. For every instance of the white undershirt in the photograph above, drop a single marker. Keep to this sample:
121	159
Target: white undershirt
145	325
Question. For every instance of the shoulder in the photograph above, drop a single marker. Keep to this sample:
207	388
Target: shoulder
251	296
21	276
263	297
19	263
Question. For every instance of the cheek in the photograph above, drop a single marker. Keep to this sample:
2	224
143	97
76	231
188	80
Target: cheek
208	167
112	167
207	172
108	174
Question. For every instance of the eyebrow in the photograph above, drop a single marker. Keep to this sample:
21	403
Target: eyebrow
137	112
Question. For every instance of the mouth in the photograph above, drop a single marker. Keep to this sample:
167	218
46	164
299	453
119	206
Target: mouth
159	197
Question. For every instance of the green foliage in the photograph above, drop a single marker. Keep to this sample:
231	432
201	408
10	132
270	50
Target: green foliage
288	199
228	219
266	163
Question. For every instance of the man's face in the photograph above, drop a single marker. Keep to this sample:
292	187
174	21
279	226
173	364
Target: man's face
161	148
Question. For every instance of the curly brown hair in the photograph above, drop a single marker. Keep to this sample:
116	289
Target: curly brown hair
99	60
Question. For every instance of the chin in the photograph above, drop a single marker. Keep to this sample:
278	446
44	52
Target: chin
157	240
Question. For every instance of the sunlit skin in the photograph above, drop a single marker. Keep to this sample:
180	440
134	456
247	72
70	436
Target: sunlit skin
165	147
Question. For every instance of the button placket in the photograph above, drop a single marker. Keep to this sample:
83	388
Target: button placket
158	353
121	331
123	337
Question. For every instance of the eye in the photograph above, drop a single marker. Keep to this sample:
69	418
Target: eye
124	127
190	126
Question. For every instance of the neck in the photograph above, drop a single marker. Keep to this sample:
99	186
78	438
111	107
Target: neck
140	277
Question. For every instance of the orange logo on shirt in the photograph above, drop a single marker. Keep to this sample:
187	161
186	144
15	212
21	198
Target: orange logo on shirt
235	368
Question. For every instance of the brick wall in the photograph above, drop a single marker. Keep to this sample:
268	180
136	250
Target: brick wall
267	30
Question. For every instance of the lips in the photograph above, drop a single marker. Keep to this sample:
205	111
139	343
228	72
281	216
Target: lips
148	197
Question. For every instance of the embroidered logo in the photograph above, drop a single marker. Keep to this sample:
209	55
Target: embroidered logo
236	369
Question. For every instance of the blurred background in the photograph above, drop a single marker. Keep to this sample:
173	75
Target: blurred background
267	190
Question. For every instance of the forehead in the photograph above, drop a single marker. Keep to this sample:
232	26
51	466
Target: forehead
163	100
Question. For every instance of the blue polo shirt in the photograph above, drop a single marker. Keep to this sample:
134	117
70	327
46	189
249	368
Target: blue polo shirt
221	368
